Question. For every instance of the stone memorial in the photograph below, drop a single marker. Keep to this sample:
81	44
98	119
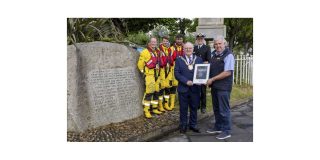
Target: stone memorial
211	27
104	85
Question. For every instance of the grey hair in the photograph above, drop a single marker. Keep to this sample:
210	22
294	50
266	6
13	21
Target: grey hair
188	43
220	37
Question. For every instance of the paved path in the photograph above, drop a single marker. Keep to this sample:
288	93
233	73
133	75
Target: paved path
242	128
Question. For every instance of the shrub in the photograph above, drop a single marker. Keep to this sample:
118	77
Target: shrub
138	38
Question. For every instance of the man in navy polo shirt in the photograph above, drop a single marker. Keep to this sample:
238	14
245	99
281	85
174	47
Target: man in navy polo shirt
220	80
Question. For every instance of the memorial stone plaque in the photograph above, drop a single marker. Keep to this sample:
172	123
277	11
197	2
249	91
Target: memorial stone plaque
104	85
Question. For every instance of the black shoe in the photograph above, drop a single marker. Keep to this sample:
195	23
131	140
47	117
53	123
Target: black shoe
203	110
194	129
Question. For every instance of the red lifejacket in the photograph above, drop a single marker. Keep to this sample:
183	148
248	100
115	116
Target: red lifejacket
152	62
170	59
163	57
177	53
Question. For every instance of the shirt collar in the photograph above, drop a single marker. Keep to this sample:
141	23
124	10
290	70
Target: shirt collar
191	56
220	52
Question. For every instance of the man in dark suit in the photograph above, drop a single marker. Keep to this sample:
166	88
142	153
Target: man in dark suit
189	93
203	51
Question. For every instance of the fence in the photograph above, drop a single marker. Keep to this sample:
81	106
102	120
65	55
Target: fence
243	70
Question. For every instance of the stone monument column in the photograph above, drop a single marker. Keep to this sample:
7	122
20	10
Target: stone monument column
211	27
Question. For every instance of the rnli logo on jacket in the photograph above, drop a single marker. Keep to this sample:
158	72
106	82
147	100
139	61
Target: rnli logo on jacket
149	62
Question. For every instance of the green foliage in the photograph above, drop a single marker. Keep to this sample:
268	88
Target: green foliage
170	26
237	49
107	39
241	92
160	27
160	31
92	29
131	29
193	26
139	38
181	25
136	25
239	33
112	29
190	38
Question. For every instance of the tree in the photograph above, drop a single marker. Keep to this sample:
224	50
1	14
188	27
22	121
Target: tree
193	26
160	31
93	29
183	24
239	33
135	25
173	25
119	29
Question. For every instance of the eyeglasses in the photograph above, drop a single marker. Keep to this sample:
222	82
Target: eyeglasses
188	48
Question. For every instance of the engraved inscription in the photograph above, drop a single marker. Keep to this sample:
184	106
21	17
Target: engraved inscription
111	88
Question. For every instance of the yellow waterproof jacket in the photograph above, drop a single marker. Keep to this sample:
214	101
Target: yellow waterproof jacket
164	49
176	51
145	56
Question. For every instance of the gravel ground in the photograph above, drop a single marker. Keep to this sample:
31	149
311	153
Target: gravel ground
120	132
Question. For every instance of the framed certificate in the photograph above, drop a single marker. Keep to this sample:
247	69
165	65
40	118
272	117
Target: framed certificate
201	73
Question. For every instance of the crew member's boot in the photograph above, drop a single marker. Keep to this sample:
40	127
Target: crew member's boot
155	107
166	102
146	110
172	101
161	104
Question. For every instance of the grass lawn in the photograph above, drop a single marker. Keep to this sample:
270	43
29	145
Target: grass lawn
241	92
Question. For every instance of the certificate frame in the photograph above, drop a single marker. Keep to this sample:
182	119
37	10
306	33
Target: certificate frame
201	73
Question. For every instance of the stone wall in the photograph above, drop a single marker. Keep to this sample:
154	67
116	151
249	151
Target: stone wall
104	85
